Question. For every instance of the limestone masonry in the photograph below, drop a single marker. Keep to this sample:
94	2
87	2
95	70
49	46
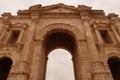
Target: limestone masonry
92	38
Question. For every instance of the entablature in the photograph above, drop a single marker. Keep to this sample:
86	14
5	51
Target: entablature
61	11
18	26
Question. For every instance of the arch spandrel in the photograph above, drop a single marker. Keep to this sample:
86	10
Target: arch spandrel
78	34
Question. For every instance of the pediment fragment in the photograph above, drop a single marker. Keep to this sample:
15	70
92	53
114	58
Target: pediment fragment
60	10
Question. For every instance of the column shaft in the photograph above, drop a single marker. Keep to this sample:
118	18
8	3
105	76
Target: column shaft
38	63
98	35
116	34
20	37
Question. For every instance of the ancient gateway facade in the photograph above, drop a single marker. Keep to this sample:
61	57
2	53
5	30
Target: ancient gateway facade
92	38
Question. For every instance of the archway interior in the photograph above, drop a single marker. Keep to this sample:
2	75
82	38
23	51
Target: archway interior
114	65
59	65
62	39
5	66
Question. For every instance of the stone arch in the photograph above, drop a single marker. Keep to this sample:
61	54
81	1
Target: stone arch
60	35
5	66
55	36
59	38
60	26
113	54
114	66
64	39
110	55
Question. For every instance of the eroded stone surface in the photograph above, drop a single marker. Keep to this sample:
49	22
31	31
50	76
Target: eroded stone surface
89	35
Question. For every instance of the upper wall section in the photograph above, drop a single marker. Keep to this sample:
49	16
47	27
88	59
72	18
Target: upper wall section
61	11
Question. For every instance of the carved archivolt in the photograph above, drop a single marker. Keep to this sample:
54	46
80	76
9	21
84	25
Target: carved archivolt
111	55
41	34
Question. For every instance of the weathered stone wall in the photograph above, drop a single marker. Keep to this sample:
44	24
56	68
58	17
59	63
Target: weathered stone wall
24	39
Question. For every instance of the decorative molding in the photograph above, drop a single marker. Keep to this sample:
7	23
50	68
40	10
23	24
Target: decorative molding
18	26
40	35
61	10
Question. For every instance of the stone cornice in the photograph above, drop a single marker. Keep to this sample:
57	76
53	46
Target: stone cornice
59	10
60	5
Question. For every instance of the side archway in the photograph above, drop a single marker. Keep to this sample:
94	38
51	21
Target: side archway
114	65
5	66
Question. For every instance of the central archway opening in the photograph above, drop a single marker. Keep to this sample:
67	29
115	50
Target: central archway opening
60	39
60	65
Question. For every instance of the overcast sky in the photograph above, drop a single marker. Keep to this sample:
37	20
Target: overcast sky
60	62
60	65
13	5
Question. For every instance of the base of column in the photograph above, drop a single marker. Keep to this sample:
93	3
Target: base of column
102	76
18	76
